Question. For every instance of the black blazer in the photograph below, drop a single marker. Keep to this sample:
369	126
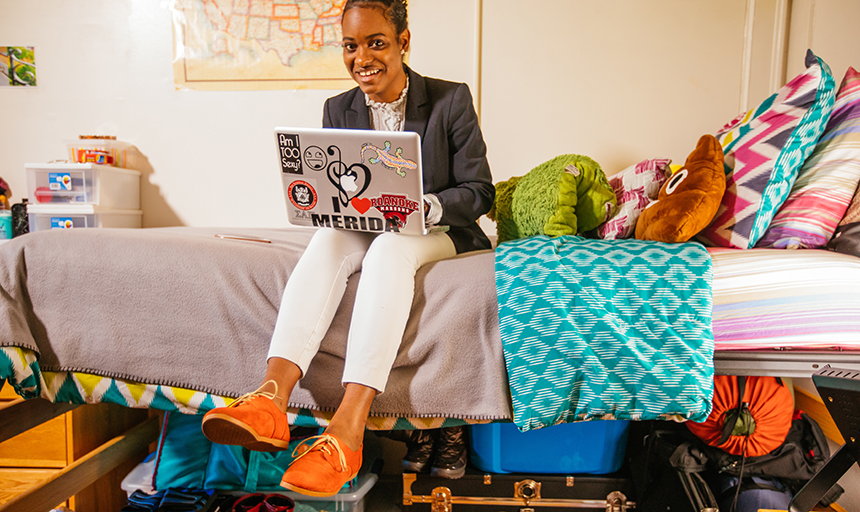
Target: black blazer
453	153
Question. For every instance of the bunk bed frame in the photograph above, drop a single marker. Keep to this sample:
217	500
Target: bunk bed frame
21	415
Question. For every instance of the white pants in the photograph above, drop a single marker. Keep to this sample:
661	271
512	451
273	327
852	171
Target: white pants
388	263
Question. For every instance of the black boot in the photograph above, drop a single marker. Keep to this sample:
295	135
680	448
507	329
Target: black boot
451	453
419	448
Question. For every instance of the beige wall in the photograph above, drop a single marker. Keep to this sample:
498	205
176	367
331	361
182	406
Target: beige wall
829	27
617	80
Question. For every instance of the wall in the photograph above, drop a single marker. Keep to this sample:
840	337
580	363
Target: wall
105	67
619	81
829	28
616	80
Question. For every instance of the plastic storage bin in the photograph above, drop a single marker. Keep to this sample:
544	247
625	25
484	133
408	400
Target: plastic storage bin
44	217
590	447
348	500
99	151
102	185
140	478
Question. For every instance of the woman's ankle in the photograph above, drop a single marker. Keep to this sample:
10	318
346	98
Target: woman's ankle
280	379
353	438
270	386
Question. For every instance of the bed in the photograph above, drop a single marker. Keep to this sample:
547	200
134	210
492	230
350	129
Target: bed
179	319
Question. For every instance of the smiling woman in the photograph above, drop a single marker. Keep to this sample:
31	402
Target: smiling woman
373	48
458	189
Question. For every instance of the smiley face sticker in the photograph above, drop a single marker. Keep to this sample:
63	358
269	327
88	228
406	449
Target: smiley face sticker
315	158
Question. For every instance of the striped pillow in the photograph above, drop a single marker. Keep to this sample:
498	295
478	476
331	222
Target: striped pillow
827	180
764	150
847	237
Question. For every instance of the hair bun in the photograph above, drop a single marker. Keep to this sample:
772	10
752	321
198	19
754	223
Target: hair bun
395	11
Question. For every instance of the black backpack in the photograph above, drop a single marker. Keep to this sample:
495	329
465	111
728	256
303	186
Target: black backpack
669	469
795	461
673	470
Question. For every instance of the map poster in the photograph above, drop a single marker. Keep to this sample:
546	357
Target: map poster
258	45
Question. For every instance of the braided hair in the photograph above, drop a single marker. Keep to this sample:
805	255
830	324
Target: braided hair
394	11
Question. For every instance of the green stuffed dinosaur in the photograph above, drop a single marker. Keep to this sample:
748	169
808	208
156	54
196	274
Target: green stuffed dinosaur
567	195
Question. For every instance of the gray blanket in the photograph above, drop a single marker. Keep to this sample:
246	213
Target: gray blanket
181	307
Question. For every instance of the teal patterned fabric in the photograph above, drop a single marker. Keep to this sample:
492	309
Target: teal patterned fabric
605	329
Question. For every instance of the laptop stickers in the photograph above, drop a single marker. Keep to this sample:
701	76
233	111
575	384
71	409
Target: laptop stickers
360	180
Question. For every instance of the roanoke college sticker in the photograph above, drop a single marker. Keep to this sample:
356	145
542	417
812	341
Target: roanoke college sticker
302	195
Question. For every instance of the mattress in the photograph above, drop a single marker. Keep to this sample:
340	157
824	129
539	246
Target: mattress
775	312
785	299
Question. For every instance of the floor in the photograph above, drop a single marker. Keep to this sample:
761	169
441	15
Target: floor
385	495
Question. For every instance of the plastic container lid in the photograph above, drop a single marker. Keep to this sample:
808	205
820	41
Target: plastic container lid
77	209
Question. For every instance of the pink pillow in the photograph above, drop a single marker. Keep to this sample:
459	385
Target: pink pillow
635	187
827	180
764	150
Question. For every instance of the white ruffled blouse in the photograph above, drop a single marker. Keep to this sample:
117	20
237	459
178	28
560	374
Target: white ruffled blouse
392	117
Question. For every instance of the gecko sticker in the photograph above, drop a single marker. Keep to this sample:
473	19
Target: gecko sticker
395	162
302	195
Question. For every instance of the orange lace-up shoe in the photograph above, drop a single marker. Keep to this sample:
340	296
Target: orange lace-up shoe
253	421
323	467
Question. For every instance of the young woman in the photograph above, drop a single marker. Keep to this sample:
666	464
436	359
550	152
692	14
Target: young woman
458	190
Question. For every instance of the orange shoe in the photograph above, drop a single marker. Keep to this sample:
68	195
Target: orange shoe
253	421
323	468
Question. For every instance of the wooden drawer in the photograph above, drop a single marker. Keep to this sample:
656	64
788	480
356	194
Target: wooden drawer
43	446
41	452
15	480
7	393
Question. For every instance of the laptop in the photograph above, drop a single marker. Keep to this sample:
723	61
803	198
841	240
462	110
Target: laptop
359	180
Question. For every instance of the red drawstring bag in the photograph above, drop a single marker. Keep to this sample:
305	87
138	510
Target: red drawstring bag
751	415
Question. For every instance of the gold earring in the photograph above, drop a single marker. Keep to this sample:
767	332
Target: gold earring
402	51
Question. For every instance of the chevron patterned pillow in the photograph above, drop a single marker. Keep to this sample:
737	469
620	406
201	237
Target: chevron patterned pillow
635	187
827	180
764	150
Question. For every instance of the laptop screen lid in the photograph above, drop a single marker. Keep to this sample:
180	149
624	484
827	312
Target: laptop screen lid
360	180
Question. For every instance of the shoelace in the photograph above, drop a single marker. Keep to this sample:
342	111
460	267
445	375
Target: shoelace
254	394
322	442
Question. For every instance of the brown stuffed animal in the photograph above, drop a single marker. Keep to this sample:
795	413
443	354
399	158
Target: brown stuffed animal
689	199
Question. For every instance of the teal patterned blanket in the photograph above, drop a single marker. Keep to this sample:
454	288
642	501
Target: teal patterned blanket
605	329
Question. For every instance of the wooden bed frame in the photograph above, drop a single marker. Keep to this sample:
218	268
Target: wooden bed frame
108	461
131	446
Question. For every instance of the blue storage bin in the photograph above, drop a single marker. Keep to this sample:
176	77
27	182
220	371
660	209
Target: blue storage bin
591	447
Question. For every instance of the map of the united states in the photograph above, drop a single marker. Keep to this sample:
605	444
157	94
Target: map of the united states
258	44
286	27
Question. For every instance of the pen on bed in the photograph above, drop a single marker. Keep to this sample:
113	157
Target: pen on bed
243	238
